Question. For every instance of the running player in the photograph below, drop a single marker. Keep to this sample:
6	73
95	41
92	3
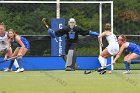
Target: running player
111	50
22	47
132	48
4	50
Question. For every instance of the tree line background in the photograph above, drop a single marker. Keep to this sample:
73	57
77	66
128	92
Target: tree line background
26	18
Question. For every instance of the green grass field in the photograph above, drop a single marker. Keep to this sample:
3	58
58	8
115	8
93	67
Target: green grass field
58	81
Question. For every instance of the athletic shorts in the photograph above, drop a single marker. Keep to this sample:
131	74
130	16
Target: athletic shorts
71	46
137	50
113	48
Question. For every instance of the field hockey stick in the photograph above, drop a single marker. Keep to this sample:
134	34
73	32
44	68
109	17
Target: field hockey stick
91	71
47	26
7	59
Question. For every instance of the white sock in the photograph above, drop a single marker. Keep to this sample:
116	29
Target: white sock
16	64
102	61
105	62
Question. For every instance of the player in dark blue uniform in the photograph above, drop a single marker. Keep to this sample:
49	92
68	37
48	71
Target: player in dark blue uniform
132	48
22	47
71	31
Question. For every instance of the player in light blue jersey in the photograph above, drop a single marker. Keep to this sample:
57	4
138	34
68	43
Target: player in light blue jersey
132	48
22	47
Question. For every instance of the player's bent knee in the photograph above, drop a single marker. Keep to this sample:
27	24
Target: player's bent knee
128	60
20	57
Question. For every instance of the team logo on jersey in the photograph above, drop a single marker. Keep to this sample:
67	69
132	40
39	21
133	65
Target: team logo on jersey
71	34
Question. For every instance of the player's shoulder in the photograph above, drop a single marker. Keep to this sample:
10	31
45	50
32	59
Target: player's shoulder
17	37
66	27
5	32
126	44
78	26
103	34
5	35
107	32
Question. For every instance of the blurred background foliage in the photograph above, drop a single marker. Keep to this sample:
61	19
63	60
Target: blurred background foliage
26	18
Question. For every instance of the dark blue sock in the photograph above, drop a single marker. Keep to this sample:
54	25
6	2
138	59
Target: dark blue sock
11	64
127	65
19	60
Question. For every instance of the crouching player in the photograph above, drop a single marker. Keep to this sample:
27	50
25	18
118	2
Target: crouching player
4	50
132	48
71	31
22	47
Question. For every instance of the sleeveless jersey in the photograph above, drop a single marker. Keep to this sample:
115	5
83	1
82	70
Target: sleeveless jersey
111	38
24	41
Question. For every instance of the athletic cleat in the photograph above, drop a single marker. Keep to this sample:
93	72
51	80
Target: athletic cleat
69	69
7	70
101	69
126	72
76	67
103	72
20	70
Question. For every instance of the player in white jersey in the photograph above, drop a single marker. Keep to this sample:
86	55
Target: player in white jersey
4	47
111	50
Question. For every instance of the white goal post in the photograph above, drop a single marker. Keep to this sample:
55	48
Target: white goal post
58	2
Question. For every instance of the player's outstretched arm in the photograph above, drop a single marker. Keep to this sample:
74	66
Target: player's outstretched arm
100	37
51	33
120	52
94	34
